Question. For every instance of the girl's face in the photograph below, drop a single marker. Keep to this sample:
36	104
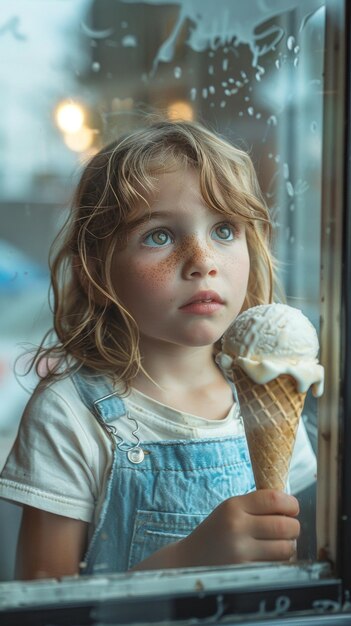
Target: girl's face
183	274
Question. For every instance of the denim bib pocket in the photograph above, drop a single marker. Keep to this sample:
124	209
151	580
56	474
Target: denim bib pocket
155	529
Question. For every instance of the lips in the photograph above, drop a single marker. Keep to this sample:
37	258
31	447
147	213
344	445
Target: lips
203	303
204	296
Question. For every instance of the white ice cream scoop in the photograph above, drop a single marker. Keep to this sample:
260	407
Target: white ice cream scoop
273	339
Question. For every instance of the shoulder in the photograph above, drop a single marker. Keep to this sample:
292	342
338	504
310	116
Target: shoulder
56	411
59	395
60	457
61	390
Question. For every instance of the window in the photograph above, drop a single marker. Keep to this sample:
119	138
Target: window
269	76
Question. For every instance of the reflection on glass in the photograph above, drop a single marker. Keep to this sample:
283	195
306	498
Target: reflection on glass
253	72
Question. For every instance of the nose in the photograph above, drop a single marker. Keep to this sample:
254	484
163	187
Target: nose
199	261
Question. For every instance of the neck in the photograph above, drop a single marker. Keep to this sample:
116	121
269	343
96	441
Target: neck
174	367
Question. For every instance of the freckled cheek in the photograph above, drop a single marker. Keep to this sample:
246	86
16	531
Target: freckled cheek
154	277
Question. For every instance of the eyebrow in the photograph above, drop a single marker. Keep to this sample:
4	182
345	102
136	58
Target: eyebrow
148	217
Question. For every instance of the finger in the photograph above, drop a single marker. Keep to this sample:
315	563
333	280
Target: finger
274	527
271	502
282	550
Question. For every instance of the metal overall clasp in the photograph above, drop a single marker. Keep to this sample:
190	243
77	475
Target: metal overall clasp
134	452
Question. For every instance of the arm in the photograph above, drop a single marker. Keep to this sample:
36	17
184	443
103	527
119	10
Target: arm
259	526
49	545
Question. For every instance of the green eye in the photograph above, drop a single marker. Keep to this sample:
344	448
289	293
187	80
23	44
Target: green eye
158	238
223	232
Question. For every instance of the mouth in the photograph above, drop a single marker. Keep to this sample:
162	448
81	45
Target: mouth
204	296
203	303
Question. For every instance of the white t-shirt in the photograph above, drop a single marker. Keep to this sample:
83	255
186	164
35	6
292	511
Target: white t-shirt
61	459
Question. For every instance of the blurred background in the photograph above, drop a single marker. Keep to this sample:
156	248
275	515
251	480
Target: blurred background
76	74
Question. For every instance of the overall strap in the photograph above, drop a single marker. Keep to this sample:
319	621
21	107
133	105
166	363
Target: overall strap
96	392
233	388
229	381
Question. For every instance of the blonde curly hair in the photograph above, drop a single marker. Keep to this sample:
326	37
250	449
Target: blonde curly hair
91	325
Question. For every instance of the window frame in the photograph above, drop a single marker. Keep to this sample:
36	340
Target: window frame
316	589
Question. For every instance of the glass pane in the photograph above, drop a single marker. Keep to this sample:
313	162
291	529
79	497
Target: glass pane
86	72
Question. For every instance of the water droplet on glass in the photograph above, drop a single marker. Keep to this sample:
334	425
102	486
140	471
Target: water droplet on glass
129	41
272	120
277	158
225	65
296	62
292	207
239	83
227	92
277	64
224	83
210	69
241	113
290	189
234	90
177	72
223	104
204	93
258	116
124	24
96	33
270	155
193	93
250	110
96	66
231	81
297	49
290	42
260	72
286	171
301	187
243	74
247	98
314	127
212	89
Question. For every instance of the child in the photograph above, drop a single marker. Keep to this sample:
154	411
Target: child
131	452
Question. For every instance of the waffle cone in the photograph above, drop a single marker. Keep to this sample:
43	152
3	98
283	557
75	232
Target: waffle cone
271	414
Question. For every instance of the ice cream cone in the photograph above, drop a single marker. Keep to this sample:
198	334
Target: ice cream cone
271	414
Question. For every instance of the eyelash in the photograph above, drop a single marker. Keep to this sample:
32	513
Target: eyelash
235	231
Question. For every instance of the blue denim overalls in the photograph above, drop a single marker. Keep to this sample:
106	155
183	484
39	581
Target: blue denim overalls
157	493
